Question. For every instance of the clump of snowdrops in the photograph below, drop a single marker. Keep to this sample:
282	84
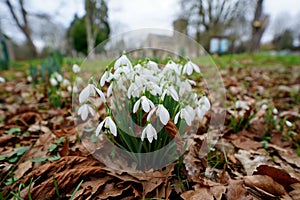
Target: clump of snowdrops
148	105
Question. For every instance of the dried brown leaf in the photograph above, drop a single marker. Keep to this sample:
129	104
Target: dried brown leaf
236	190
265	185
198	194
278	175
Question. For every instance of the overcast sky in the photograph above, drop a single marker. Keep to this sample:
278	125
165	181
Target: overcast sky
126	15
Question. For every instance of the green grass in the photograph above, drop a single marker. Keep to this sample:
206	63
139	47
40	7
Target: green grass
256	60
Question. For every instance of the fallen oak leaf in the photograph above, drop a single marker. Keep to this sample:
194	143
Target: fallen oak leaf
265	185
236	190
279	175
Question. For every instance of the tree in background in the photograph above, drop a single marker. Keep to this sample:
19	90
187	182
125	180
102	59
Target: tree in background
96	23
77	35
284	40
216	18
259	25
21	20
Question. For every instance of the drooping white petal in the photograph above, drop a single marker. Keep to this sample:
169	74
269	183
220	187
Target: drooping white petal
123	60
101	94
110	89
150	114
163	114
76	68
83	112
173	93
99	128
86	92
136	106
204	103
149	132
103	79
53	82
145	104
288	123
177	117
111	125
188	114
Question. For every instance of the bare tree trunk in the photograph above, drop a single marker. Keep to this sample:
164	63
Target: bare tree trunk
23	27
89	30
259	25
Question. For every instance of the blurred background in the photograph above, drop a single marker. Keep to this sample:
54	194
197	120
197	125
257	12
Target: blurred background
34	29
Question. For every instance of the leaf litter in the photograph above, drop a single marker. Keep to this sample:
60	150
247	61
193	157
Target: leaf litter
256	158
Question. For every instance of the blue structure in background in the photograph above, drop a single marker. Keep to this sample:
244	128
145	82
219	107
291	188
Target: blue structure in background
219	45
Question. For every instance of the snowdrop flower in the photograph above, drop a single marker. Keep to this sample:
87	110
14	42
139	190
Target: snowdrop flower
90	90
53	81
264	107
152	65
78	80
187	113
29	79
161	112
58	77
65	83
241	104
203	107
104	78
84	111
147	104
275	111
72	89
108	123
170	90
123	60
173	66
288	123
76	68
189	67
2	80
149	132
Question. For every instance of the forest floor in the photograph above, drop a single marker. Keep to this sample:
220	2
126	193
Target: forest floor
256	157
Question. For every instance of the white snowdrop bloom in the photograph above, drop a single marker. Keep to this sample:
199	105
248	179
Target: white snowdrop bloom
108	123
2	80
203	107
187	113
65	83
53	81
154	89
104	78
76	68
152	65
90	90
29	79
84	111
172	66
122	61
72	89
69	88
170	90
275	111
242	105
185	86
149	132
58	76
163	114
288	123
204	103
189	67
147	104
78	80
109	90
264	107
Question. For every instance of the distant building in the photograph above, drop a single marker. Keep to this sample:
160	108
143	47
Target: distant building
179	43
